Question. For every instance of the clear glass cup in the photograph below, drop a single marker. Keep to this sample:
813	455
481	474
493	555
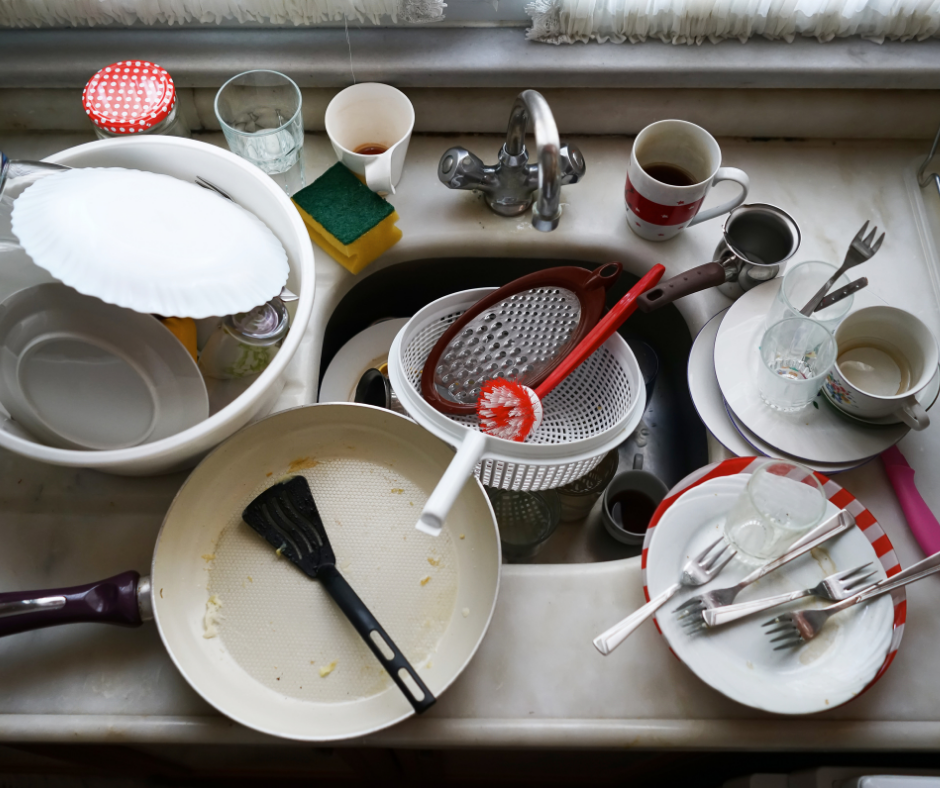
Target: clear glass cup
795	355
260	115
781	502
799	284
244	344
577	498
525	519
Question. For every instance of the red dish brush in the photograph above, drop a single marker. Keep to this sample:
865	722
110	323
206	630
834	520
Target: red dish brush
512	410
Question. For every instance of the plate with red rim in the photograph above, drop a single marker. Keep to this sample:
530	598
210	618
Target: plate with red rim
738	660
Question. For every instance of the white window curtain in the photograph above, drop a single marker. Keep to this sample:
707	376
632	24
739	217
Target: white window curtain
697	21
85	13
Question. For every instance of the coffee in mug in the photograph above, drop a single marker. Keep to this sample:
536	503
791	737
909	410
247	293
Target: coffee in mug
673	165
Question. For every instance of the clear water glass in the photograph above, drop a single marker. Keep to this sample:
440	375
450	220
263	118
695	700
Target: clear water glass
795	355
781	502
799	284
260	115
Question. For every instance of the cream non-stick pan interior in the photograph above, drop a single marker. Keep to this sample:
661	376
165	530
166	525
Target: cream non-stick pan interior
261	641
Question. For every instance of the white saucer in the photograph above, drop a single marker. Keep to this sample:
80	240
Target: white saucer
816	433
82	374
927	396
367	350
738	660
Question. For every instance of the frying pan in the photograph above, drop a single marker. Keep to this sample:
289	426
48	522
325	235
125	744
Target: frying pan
285	661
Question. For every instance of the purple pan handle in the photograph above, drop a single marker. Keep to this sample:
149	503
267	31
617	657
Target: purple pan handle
111	601
692	281
922	522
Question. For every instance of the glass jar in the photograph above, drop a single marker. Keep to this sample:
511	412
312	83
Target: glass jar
244	344
133	97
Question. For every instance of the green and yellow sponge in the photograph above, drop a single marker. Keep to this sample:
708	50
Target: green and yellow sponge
347	219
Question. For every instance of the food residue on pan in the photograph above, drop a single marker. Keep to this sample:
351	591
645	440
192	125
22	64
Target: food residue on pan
463	536
434	561
302	464
426	580
397	490
326	670
279	552
208	557
213	617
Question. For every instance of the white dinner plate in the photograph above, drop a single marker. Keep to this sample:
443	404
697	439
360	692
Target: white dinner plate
82	374
739	660
149	242
706	394
816	433
367	350
720	420
769	451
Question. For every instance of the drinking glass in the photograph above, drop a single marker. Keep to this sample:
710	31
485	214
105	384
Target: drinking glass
260	115
781	502
795	355
799	284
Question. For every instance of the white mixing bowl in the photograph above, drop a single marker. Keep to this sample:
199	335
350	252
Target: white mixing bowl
256	192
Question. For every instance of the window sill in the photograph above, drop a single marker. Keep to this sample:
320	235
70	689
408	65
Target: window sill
462	58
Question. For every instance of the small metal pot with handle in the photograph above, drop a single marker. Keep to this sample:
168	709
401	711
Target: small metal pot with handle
758	240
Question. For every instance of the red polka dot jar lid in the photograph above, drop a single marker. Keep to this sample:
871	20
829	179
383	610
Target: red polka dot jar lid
129	97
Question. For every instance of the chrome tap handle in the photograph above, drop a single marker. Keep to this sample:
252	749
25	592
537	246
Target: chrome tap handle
461	169
572	164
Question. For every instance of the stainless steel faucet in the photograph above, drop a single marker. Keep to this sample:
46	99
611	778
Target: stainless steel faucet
510	186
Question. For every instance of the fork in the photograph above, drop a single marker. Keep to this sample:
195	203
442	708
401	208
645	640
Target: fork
859	251
803	625
721	597
835	588
696	572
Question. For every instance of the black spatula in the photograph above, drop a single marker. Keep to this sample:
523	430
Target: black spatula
287	517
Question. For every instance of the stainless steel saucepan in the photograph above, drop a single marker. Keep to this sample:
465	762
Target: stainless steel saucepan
758	240
257	638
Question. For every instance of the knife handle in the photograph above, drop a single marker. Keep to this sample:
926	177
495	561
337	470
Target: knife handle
376	638
922	522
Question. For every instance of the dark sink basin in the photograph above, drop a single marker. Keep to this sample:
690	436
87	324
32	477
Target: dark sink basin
670	439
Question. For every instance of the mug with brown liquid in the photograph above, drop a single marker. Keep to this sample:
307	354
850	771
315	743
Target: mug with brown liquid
673	165
886	357
370	125
629	503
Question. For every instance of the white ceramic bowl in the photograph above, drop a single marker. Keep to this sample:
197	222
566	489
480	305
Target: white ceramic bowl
255	191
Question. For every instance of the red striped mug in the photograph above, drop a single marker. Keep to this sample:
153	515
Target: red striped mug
673	165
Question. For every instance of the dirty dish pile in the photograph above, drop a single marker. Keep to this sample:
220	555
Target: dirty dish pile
737	659
127	225
576	433
252	634
821	435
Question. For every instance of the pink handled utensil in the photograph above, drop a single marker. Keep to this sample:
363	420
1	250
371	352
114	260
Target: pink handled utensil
511	410
922	522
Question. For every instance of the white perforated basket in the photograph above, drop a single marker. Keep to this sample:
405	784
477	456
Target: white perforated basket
593	410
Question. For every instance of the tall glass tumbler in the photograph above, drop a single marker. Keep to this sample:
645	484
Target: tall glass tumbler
260	115
799	284
795	355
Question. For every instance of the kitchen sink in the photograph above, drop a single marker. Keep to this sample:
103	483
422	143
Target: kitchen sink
670	440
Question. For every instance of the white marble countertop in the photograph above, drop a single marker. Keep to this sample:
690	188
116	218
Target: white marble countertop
537	679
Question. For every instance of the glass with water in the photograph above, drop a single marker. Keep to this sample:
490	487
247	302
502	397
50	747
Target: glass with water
260	114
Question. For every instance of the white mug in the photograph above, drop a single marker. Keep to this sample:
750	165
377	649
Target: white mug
673	165
371	115
886	357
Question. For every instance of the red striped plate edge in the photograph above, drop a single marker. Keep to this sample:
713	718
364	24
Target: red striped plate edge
840	497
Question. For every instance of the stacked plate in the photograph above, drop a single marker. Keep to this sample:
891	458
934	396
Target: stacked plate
723	369
739	660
